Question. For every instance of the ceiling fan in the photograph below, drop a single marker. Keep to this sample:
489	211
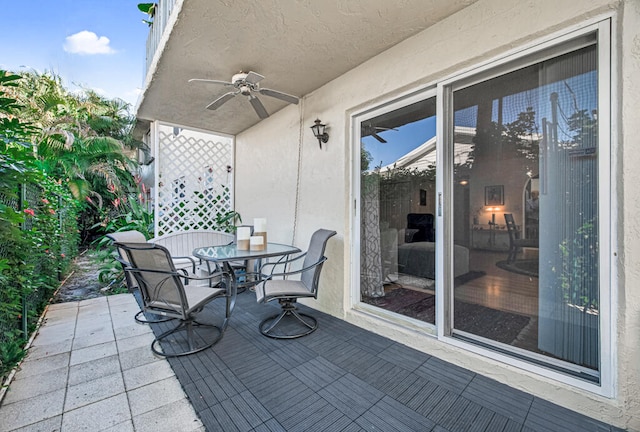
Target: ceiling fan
369	129
246	84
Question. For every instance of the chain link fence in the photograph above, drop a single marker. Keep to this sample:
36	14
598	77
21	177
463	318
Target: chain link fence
32	282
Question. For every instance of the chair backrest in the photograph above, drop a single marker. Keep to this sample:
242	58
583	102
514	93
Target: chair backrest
315	253
131	236
160	285
514	234
183	243
423	222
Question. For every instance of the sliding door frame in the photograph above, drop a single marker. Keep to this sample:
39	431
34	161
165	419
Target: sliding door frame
357	119
606	189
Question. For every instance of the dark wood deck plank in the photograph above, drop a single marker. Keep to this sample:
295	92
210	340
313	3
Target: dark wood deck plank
318	373
343	378
550	417
403	356
351	396
451	377
509	402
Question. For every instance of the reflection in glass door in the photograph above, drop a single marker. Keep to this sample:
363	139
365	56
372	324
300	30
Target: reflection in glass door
397	196
526	208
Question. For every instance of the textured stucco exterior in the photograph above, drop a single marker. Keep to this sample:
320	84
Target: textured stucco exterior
268	158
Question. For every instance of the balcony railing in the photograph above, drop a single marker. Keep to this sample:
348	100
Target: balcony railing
162	14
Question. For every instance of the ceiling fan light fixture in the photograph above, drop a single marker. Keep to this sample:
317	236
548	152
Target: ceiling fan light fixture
319	132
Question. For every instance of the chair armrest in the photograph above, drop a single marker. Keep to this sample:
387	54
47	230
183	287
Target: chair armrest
289	273
190	258
199	278
122	261
282	261
182	273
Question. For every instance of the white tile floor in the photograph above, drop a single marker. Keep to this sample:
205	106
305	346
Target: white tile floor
90	368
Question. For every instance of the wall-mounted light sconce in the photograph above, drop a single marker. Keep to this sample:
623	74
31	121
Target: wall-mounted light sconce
319	131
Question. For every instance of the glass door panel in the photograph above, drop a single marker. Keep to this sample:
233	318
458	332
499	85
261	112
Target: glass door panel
526	210
397	195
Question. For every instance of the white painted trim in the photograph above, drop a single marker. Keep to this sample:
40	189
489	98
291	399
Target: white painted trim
542	371
443	105
354	213
607	226
156	173
610	379
421	327
195	129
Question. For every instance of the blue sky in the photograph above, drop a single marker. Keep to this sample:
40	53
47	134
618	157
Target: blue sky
95	44
399	142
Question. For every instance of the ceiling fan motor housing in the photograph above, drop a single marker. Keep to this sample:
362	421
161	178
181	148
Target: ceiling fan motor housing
239	78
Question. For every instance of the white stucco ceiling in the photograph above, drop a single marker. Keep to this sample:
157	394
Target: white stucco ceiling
298	45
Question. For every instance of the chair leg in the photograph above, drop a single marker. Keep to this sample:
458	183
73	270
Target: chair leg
268	325
513	251
188	327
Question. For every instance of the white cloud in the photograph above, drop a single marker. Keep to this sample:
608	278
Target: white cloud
86	42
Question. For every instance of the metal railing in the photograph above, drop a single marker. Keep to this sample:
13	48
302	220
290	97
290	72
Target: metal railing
162	13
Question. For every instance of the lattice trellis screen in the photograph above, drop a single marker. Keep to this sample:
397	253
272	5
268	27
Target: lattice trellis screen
194	179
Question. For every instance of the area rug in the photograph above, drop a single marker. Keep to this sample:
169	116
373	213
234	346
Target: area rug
479	320
523	267
430	284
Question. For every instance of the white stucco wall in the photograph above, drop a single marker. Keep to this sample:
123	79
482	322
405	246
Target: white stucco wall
267	166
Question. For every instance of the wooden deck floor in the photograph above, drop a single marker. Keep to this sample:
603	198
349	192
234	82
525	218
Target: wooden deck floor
343	378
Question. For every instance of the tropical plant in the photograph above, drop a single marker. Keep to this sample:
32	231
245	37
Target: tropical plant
34	239
61	154
150	10
130	214
83	141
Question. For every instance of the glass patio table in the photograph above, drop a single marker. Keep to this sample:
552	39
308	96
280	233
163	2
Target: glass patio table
225	255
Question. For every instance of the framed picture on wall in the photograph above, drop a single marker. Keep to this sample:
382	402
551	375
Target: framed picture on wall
494	195
423	197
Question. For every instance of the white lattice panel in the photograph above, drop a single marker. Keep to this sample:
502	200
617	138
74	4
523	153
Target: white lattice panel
195	179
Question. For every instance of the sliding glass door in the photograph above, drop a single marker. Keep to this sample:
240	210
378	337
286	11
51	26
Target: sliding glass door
485	203
397	196
531	188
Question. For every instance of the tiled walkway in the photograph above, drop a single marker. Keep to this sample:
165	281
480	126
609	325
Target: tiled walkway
90	369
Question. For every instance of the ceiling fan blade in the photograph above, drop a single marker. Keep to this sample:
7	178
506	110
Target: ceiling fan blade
279	95
221	100
253	78
379	138
258	107
208	81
